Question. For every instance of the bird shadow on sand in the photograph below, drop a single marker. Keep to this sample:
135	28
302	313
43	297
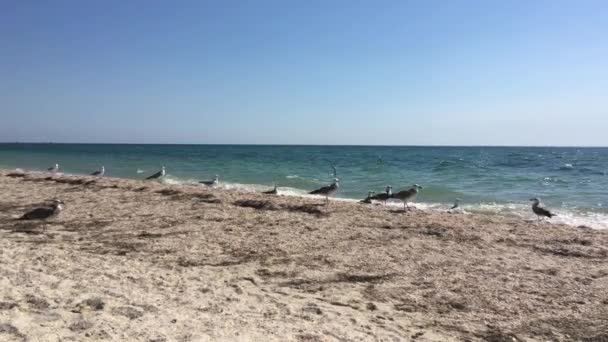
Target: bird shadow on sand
68	181
338	279
8	206
16	175
313	209
257	204
402	211
18	226
26	228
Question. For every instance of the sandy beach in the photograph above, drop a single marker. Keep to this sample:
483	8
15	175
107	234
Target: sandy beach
141	261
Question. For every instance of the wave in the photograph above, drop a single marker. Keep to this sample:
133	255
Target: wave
457	165
569	216
592	171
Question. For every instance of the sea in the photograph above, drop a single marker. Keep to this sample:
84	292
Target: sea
571	181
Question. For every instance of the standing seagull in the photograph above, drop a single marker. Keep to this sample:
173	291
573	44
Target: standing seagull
99	172
368	199
274	191
327	190
159	174
408	195
540	211
44	213
213	182
54	168
384	196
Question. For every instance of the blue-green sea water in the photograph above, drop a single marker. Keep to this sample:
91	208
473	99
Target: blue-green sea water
571	181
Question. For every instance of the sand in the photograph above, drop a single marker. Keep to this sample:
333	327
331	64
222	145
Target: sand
142	261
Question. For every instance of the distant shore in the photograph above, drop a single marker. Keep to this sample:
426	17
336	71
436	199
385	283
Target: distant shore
142	261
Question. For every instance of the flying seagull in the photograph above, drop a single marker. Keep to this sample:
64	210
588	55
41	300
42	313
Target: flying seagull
384	196
327	190
540	211
408	195
99	172
213	182
54	168
274	191
159	174
44	213
368	199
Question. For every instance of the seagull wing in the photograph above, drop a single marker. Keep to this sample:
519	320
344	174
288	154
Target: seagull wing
156	175
404	193
322	190
381	196
543	212
38	214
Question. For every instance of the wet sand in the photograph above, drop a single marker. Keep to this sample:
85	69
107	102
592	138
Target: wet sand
142	261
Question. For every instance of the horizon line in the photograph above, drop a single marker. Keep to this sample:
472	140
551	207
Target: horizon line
277	144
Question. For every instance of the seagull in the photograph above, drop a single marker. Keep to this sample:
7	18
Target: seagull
44	213
274	191
99	172
159	174
540	211
384	196
455	208
368	199
213	182
54	168
407	195
327	190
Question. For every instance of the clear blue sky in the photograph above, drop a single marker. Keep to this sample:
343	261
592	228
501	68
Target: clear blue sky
305	72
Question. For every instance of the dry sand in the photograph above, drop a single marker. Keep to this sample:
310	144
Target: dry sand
141	261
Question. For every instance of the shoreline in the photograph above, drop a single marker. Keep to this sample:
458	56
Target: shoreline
140	260
520	211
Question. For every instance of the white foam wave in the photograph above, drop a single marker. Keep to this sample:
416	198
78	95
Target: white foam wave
523	211
563	216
